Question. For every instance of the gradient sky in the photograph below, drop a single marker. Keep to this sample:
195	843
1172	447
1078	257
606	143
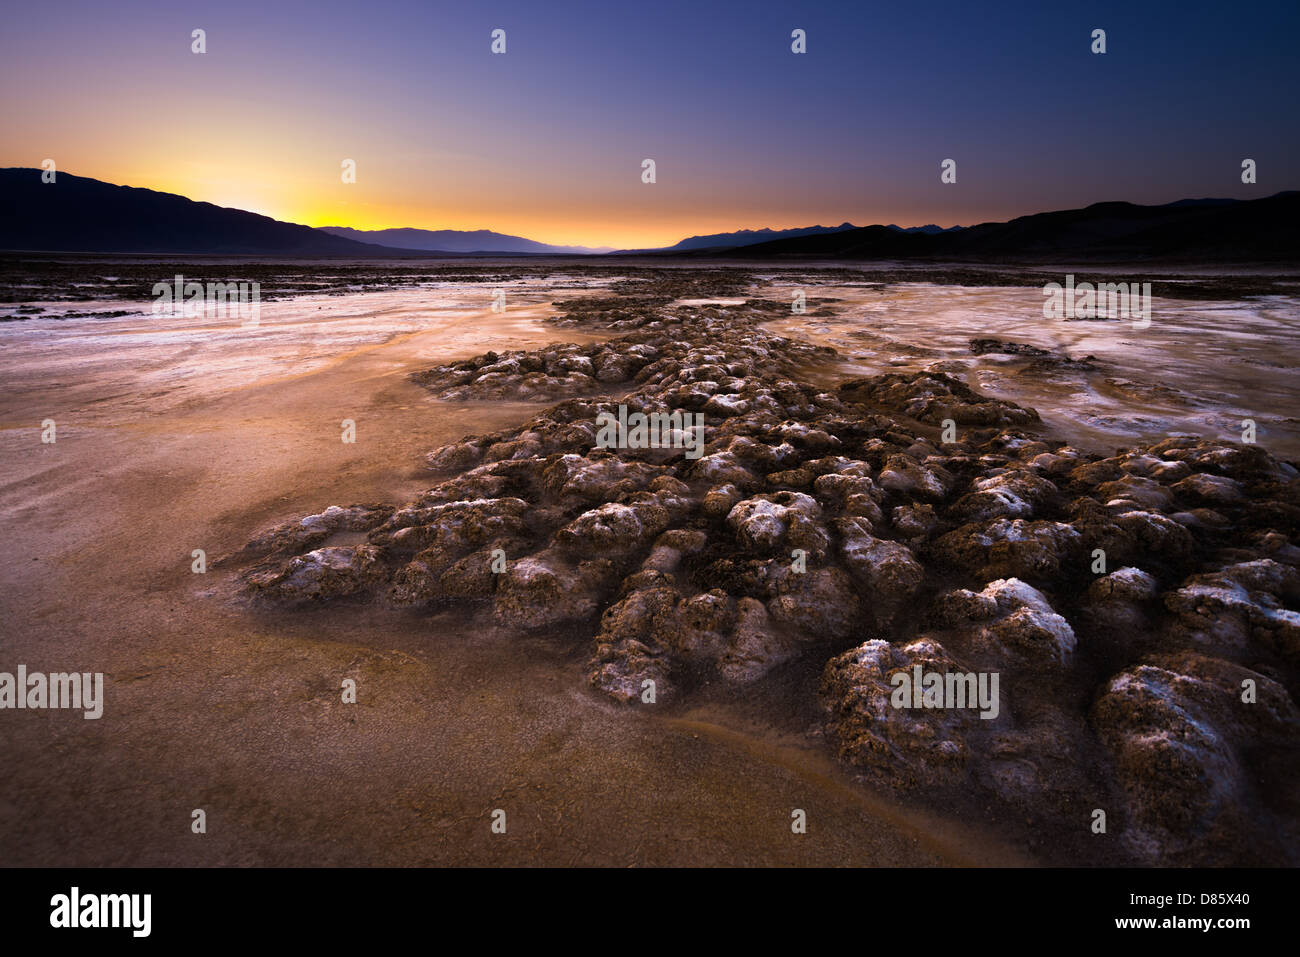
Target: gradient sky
547	140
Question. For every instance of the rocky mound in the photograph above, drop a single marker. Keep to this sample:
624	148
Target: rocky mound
558	370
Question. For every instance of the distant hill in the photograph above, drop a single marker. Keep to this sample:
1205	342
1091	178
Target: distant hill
79	214
929	228
748	237
1216	230
752	237
457	241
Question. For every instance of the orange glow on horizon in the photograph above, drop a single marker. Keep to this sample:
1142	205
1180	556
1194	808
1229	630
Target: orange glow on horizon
299	206
591	232
319	202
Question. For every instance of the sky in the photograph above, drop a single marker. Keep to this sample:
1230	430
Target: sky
547	140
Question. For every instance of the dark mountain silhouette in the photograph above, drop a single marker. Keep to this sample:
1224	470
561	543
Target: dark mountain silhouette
78	214
751	237
1201	230
928	228
457	241
748	237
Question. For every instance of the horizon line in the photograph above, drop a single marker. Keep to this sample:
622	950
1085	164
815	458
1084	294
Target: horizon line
606	248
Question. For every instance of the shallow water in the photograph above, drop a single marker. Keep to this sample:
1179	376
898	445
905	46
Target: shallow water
1200	368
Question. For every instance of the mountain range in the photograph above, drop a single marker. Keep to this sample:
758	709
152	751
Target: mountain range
1202	230
79	214
458	241
752	237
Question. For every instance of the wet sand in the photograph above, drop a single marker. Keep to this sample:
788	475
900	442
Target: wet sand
176	435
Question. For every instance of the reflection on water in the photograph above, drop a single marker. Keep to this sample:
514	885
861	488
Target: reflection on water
1199	368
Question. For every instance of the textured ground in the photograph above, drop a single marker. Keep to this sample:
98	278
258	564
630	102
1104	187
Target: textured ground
1140	609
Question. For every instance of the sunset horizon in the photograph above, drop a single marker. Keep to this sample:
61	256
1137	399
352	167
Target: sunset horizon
745	133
